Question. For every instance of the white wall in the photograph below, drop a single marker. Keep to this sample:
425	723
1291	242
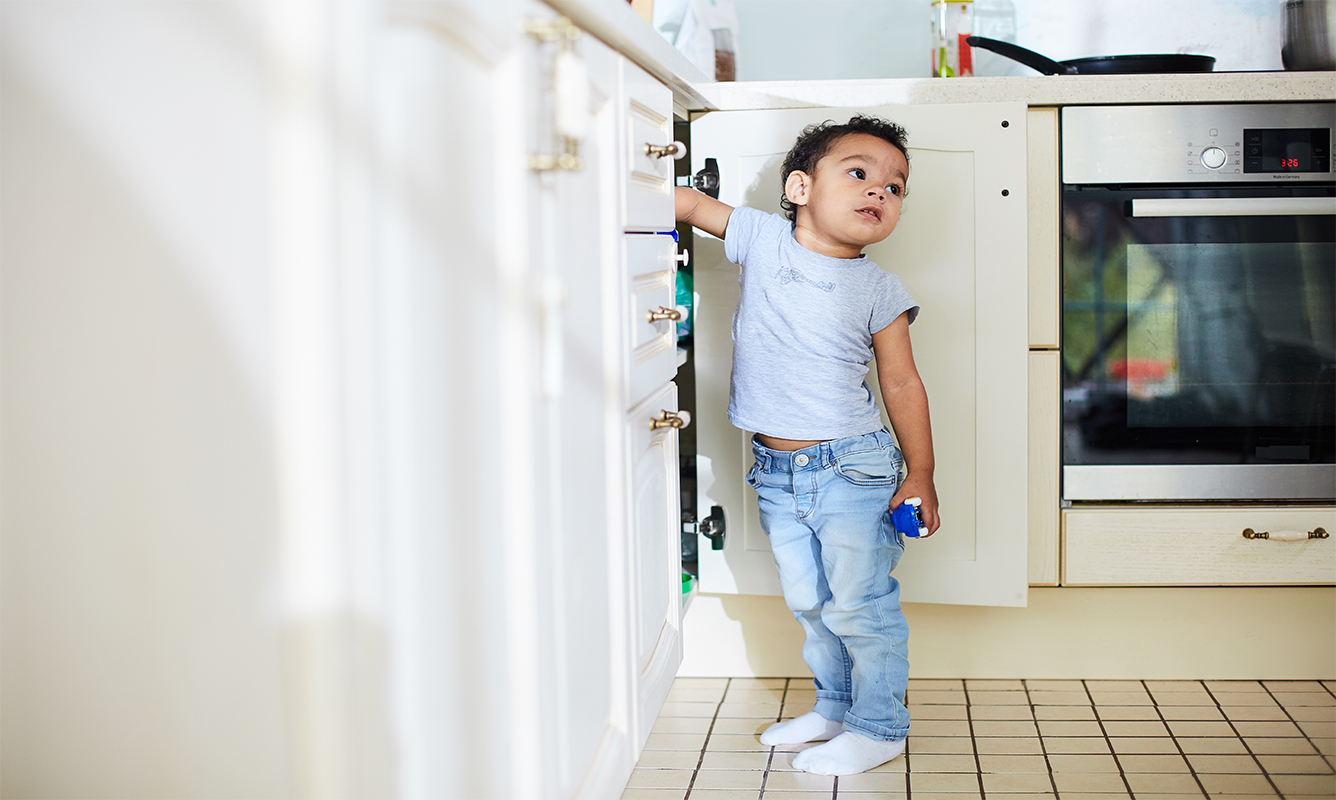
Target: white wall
810	39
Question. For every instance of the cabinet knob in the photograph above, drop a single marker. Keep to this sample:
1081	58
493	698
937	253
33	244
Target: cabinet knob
670	419
662	313
1286	536
677	150
684	258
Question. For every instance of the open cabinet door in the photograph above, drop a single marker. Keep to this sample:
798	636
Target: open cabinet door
960	249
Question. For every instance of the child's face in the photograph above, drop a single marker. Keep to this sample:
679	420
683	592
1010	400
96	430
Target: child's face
852	199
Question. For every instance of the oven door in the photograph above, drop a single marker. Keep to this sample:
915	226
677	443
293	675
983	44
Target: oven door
1199	345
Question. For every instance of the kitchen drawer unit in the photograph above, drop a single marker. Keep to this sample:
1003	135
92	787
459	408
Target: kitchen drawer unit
1198	547
652	283
648	191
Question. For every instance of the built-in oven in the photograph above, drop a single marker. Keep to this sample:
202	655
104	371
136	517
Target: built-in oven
1198	303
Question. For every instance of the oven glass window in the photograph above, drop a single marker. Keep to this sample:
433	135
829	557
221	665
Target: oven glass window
1196	340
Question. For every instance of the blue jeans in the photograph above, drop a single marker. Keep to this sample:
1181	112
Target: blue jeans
825	509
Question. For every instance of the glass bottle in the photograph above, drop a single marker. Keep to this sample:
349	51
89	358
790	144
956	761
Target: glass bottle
952	22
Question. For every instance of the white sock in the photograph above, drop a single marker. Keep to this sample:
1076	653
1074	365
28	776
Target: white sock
847	754
810	727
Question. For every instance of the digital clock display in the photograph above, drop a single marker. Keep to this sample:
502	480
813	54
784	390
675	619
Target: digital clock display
1282	150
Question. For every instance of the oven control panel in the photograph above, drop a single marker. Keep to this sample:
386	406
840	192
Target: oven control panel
1252	143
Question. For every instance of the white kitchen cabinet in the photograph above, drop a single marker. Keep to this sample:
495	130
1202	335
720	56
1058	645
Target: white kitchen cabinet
648	191
534	525
1044	553
652	286
564	505
649	270
1043	244
1200	547
655	558
504	383
1044	240
960	249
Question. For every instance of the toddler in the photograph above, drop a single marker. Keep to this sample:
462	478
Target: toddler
814	314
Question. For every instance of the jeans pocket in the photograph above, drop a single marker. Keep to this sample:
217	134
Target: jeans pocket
868	468
754	475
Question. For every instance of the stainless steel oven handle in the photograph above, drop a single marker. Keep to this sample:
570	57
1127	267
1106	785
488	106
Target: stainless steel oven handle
1231	206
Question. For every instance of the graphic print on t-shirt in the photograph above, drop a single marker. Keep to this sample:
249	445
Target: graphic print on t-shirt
789	274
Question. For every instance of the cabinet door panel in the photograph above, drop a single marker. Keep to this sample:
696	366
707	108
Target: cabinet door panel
559	482
656	555
960	249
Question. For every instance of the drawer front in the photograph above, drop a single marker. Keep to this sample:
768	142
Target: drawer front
649	180
1178	547
652	282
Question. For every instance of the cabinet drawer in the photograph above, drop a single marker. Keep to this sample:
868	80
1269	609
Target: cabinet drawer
652	282
648	191
1188	547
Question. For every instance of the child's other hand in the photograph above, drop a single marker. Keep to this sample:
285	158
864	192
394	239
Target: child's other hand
923	489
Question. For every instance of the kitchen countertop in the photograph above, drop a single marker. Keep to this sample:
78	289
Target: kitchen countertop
1040	90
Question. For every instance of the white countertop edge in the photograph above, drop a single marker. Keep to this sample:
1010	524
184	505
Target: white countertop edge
617	25
1040	90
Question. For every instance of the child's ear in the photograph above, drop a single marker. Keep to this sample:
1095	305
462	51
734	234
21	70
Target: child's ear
795	187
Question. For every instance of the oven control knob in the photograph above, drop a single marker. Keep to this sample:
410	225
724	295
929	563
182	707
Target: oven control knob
1213	158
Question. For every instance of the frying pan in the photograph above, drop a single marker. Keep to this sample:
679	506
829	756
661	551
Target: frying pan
1099	65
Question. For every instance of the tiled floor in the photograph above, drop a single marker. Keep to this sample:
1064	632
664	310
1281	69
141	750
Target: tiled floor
1011	740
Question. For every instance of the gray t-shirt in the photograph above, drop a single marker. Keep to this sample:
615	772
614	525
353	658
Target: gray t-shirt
802	332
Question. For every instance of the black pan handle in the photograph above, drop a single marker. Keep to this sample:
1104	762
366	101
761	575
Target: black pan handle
1029	58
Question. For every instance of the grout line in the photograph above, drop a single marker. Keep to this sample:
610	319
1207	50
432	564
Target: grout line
1243	741
909	791
1099	720
1296	724
1043	748
705	746
770	758
969	723
1173	737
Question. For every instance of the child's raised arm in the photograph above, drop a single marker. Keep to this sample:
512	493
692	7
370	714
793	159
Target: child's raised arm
702	211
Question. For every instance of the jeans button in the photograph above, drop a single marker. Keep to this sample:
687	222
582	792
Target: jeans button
800	459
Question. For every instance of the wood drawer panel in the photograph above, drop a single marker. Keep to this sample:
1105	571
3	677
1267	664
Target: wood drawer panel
1189	547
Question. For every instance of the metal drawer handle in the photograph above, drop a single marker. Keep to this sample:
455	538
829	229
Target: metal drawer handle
1231	206
677	150
663	313
669	419
1285	536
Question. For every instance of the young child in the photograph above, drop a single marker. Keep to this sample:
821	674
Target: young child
813	314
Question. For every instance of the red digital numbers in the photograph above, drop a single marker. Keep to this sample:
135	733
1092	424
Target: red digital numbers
1289	162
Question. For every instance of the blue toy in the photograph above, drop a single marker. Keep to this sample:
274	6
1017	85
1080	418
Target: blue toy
906	518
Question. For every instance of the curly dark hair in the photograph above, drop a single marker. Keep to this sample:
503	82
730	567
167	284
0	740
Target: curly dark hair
816	140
